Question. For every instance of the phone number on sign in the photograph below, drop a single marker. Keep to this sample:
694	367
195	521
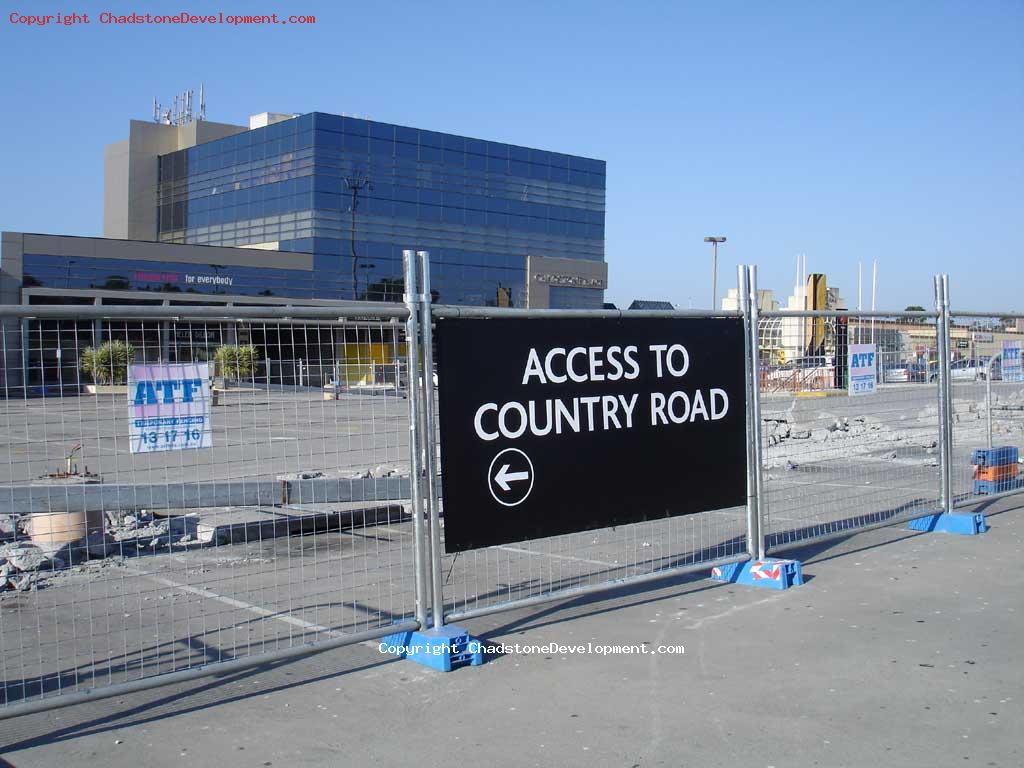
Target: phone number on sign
171	437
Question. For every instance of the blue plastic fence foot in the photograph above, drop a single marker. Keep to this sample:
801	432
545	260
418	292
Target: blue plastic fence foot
770	573
442	649
963	523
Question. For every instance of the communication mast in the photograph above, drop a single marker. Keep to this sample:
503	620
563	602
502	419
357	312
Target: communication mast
181	111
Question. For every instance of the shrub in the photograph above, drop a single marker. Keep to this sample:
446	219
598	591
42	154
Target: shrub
236	362
107	364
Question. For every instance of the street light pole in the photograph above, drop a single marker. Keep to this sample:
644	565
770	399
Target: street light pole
714	267
356	184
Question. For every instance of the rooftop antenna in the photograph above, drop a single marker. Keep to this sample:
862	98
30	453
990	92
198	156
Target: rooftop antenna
182	109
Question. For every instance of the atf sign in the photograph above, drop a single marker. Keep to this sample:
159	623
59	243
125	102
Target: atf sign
1012	368
863	369
169	407
562	425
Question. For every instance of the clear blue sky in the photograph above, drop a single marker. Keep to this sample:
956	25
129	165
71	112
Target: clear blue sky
844	130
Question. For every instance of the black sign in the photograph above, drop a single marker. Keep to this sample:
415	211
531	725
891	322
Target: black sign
561	425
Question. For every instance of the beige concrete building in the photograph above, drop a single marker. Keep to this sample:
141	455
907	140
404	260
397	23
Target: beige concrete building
131	173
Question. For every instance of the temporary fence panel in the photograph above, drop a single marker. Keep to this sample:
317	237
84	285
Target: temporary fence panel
517	573
129	552
987	383
846	448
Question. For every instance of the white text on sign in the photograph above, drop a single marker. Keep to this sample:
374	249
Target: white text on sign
579	365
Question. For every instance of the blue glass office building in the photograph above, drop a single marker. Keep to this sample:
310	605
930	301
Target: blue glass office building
355	193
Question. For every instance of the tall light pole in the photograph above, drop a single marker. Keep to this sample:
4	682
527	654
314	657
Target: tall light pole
714	268
356	184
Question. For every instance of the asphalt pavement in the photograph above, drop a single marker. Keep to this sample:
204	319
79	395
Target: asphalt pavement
902	649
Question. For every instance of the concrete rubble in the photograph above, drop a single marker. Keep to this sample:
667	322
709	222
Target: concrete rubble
20	563
27	565
794	437
8	527
378	471
144	530
821	436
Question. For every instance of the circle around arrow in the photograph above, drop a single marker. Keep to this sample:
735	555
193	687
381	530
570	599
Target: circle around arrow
490	480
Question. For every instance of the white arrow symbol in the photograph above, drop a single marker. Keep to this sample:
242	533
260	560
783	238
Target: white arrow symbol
504	476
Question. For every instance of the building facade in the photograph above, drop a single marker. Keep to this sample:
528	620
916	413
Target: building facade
354	193
302	210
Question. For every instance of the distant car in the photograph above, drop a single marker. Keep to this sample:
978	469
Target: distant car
967	370
905	373
896	374
997	370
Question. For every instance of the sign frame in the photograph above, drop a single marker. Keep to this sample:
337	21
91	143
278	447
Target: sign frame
605	413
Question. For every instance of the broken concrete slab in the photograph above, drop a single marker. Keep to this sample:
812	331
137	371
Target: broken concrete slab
25	499
24	556
247	524
8	527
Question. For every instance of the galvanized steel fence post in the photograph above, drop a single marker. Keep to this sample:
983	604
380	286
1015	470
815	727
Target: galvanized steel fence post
759	520
752	393
413	300
942	330
947	336
988	393
429	441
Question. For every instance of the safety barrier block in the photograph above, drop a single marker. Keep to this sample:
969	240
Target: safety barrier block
443	648
770	573
963	523
987	487
993	457
997	473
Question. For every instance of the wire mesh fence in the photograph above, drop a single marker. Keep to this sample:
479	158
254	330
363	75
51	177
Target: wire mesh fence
834	461
126	554
122	559
987	385
483	580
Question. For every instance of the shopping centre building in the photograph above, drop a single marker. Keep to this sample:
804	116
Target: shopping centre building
314	209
